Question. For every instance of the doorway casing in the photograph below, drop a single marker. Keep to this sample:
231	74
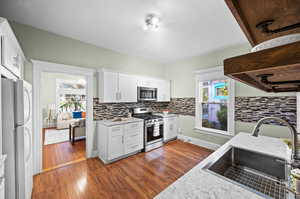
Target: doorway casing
38	68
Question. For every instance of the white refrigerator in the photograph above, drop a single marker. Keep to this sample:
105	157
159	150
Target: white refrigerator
16	96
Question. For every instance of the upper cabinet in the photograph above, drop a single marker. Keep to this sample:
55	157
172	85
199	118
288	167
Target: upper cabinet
163	90
273	27
12	57
127	88
116	87
108	84
146	82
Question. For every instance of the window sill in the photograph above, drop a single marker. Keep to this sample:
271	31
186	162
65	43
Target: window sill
213	132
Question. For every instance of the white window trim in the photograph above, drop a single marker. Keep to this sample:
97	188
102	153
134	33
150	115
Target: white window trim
216	73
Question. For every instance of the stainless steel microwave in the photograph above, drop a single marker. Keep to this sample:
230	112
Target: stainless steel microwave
146	94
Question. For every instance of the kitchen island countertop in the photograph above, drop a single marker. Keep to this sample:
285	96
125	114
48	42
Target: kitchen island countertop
200	184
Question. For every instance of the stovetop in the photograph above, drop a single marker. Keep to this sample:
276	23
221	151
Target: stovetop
147	116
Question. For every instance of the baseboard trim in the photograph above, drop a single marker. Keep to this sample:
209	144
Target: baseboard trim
196	141
94	154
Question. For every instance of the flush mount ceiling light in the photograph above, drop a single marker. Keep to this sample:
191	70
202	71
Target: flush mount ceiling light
152	22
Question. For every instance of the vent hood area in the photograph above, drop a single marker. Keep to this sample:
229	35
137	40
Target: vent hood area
275	66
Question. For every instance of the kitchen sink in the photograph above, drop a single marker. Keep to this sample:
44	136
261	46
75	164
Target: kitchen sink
262	174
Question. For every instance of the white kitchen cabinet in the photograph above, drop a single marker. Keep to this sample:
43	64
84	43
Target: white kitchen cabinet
133	138
146	82
116	141
163	91
12	56
108	86
115	87
170	127
127	88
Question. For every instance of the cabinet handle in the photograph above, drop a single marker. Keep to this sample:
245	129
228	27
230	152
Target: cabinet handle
120	95
134	146
123	139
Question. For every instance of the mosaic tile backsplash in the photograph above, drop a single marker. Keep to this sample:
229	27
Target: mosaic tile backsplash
183	106
112	110
247	109
252	109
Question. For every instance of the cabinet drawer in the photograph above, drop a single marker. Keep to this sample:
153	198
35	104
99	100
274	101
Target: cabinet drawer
133	126
116	130
133	138
133	143
133	132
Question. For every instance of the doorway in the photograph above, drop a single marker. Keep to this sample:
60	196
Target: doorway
40	131
63	103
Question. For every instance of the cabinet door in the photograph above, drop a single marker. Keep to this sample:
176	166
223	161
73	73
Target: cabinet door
11	51
127	88
110	87
167	95
11	57
147	82
163	91
171	128
115	142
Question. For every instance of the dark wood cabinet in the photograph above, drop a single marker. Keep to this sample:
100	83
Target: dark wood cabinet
277	14
272	70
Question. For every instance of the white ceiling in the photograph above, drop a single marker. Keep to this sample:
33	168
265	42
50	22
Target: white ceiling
189	27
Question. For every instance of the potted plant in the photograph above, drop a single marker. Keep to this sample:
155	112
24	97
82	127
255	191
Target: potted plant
73	105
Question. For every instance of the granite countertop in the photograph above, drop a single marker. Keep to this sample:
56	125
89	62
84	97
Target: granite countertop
200	184
113	123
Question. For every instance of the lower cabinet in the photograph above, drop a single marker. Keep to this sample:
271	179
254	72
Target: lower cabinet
170	128
115	142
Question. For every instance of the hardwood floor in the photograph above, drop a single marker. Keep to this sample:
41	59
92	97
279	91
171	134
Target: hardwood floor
56	155
140	176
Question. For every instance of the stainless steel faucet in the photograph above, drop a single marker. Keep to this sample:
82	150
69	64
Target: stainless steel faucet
294	135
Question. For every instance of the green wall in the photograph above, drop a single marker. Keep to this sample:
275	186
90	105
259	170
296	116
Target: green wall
183	85
45	46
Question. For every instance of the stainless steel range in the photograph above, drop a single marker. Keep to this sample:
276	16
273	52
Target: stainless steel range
153	128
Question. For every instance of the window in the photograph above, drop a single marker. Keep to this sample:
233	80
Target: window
70	95
214	102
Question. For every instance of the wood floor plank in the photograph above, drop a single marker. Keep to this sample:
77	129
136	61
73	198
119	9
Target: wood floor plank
55	155
140	176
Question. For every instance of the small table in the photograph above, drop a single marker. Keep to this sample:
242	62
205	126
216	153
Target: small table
77	124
